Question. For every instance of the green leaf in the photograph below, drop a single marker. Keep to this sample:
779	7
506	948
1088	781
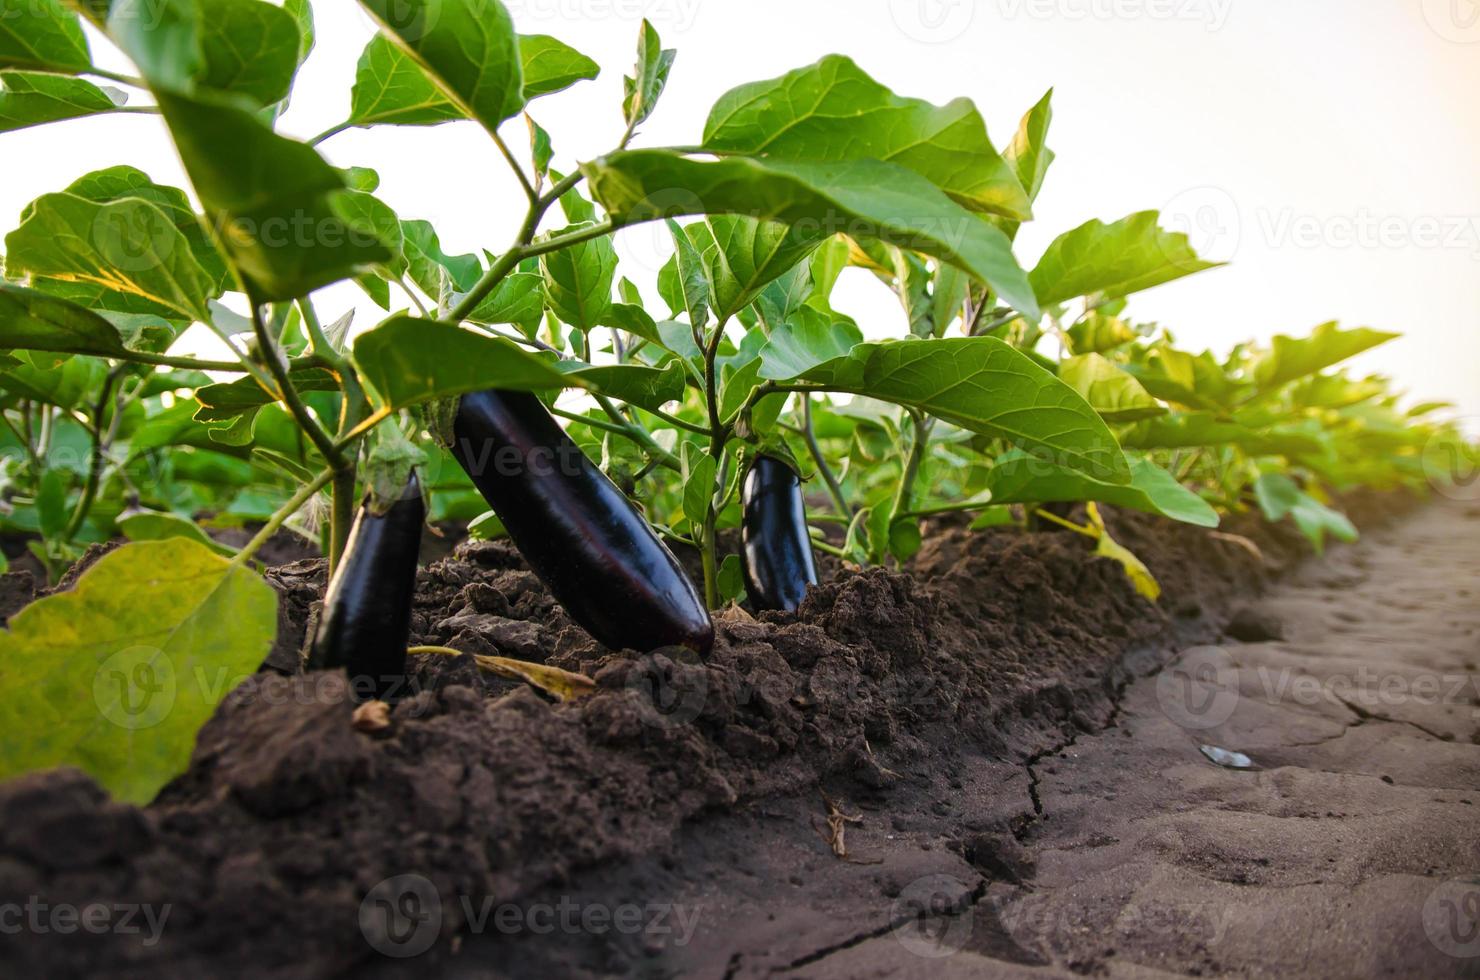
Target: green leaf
551	65
159	526
743	256
1290	358
270	199
1195	381
731	579
693	284
116	675
250	48
804	342
1099	332
408	360
51	503
863	197
578	280
221	402
986	386
129	245
1114	260
1280	497
467	46
1028	153
391	88
654	62
519	299
42	36
698	471
429	264
1018	478
1116	395
31	99
832	112
30	320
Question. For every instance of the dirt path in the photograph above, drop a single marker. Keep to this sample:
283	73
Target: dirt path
1350	847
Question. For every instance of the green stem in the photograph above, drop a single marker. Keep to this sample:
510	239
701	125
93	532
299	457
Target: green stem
834	489
284	512
114	76
529	191
821	544
718	435
341	514
906	492
289	395
95	459
1055	518
331	132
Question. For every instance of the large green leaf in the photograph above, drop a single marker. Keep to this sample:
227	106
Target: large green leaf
32	98
1114	260
550	65
578	281
1028	154
863	197
1116	395
271	200
520	299
1197	381
692	281
467	46
391	88
807	340
430	265
250	48
1017	478
980	384
833	111
409	360
116	675
41	35
1290	358
31	320
129	245
1201	429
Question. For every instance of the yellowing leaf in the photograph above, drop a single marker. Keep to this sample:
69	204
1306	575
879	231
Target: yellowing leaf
1145	583
116	676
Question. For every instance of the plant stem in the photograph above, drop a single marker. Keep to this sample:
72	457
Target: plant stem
289	395
718	435
331	132
1055	518
95	459
284	512
341	514
114	76
905	494
834	489
529	191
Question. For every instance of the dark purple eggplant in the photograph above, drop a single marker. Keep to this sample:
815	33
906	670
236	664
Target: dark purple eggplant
777	559
367	608
579	533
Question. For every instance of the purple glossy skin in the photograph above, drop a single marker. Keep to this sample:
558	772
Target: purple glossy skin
581	535
367	607
777	550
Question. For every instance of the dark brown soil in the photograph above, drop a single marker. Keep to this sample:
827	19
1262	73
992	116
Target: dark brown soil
921	701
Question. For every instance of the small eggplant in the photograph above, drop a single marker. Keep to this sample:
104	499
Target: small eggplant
778	562
580	534
367	608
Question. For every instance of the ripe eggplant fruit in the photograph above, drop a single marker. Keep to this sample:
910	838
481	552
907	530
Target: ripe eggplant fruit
777	549
581	535
366	618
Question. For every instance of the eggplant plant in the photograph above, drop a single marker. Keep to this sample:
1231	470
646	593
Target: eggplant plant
600	426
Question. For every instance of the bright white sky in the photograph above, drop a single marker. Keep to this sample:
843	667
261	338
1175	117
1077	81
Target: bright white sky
1328	148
